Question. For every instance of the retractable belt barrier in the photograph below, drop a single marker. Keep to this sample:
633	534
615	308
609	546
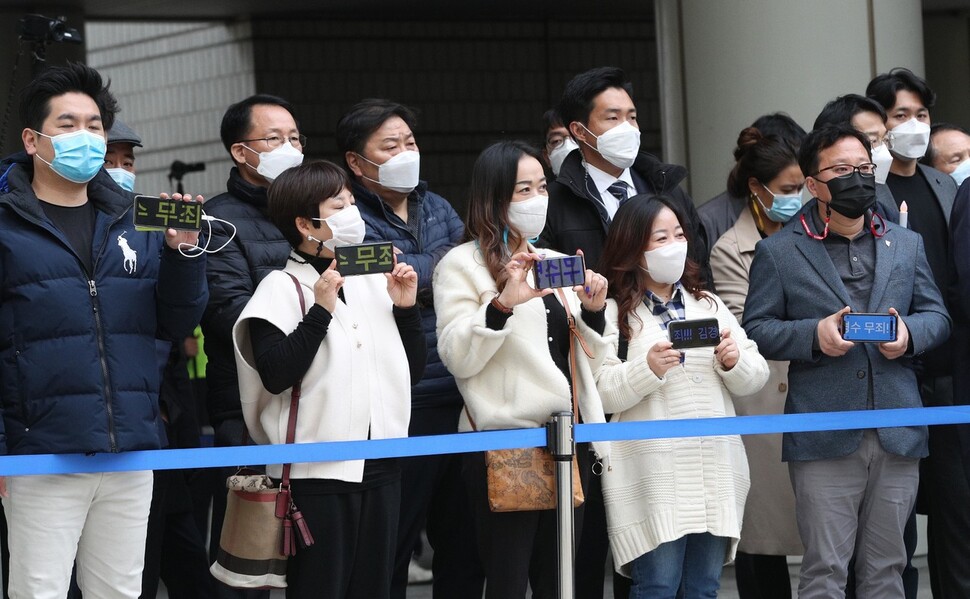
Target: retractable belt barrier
210	457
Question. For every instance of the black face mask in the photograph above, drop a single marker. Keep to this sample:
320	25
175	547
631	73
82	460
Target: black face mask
852	195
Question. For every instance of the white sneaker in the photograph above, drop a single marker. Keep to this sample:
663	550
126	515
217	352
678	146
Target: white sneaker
418	574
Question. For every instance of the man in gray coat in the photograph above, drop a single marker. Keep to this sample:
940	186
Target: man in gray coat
854	489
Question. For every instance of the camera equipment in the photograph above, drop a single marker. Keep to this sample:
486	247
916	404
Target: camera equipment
44	30
179	170
39	31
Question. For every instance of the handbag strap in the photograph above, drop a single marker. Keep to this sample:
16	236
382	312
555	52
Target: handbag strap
574	334
294	392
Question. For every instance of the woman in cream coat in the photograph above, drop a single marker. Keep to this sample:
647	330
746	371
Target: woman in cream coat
507	344
767	173
673	506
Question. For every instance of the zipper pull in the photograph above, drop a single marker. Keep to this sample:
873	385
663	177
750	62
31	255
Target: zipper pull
93	288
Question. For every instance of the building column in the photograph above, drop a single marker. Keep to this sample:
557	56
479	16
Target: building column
740	59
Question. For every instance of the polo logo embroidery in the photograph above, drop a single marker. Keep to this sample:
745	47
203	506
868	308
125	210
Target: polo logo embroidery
131	257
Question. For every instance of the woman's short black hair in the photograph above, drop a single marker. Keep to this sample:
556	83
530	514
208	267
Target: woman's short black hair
298	191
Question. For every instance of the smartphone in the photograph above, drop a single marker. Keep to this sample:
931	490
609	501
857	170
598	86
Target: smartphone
365	259
702	332
156	214
567	271
868	328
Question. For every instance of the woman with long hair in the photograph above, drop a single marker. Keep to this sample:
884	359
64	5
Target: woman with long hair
508	345
767	172
673	506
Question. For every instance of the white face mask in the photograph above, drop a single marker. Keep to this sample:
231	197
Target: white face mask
124	179
272	164
910	139
559	154
400	173
528	217
961	172
666	263
619	146
347	227
883	160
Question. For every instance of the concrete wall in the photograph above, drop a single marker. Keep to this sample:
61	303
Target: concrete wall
174	82
745	58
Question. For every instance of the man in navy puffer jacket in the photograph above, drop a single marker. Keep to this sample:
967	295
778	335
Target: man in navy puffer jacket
83	296
377	141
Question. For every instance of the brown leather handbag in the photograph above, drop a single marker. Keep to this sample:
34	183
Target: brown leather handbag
524	479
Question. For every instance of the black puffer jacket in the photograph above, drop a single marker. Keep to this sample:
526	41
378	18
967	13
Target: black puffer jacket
233	273
78	368
577	218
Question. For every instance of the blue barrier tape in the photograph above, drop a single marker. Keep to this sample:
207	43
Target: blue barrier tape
467	442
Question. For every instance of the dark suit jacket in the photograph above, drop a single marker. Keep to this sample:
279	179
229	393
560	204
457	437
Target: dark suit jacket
794	284
942	185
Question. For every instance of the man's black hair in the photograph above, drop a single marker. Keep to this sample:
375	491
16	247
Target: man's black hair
939	128
883	88
237	121
35	105
781	126
366	117
577	99
825	137
844	108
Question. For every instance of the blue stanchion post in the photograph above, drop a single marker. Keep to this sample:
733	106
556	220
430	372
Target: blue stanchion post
560	442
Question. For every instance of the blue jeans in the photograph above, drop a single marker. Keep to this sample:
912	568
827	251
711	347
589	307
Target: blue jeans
695	559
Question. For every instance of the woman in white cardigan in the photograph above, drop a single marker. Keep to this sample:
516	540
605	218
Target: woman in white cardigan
356	350
507	344
673	506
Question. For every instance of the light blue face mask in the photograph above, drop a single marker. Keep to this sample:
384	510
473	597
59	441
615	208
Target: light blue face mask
124	179
962	172
78	155
783	207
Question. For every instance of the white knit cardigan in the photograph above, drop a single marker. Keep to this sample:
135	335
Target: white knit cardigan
661	490
507	377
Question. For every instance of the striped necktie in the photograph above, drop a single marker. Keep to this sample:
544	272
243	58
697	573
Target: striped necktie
619	190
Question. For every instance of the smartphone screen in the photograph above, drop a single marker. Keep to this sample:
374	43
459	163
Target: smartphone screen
868	328
364	259
567	271
156	214
702	332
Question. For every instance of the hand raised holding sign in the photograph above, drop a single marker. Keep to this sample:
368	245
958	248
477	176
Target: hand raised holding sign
175	238
517	289
402	284
326	288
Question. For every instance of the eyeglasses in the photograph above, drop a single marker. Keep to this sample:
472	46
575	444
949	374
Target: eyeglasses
866	169
275	141
886	139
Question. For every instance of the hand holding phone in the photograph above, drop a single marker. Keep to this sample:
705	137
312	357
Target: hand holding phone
152	213
702	332
365	258
565	271
860	327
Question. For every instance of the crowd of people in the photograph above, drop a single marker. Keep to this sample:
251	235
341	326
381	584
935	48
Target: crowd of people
866	213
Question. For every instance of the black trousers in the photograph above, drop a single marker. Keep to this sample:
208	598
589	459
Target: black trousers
355	536
517	549
434	496
174	548
945	495
762	576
